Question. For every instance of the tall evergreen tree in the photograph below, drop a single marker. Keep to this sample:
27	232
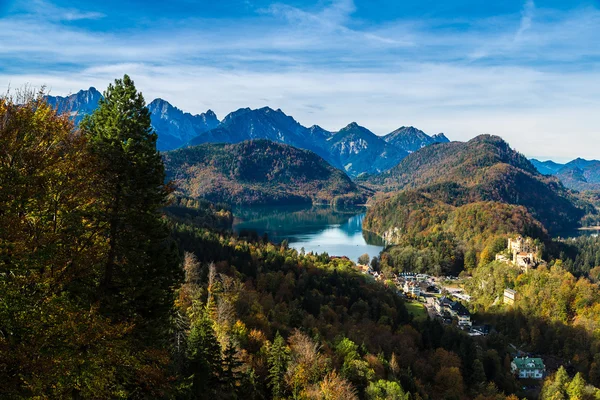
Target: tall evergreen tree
231	377
278	360
204	354
141	264
576	388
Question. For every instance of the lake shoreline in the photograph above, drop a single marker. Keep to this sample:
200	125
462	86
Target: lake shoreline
317	229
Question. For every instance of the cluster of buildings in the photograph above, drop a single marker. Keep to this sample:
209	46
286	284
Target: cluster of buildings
453	309
366	269
412	289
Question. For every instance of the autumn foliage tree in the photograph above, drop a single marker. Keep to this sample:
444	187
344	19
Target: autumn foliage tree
86	266
53	341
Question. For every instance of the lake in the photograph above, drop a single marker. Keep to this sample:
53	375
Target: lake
317	229
595	231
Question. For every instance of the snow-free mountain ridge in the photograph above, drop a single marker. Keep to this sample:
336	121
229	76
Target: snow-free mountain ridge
578	174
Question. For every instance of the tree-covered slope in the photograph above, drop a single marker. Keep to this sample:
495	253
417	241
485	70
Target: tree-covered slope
257	172
483	169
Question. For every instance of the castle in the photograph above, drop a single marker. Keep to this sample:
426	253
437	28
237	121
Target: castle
524	252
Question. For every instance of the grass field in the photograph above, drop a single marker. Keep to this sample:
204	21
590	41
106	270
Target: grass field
418	310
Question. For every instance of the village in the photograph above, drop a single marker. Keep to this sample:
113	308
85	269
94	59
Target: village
444	299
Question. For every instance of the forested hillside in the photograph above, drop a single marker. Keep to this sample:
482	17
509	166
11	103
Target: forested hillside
483	169
456	201
258	172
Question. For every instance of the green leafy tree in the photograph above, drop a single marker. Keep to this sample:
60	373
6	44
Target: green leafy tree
364	259
231	377
385	390
555	388
54	342
478	375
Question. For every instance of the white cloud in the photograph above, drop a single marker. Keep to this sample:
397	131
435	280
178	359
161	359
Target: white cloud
536	112
514	76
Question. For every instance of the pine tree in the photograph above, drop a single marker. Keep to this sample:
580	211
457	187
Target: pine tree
278	360
576	388
204	355
231	371
556	388
478	375
141	264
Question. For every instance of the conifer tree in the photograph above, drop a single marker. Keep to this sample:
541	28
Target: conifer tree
231	376
576	388
478	376
278	360
141	264
204	354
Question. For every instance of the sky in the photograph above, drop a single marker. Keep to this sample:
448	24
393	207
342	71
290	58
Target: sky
526	70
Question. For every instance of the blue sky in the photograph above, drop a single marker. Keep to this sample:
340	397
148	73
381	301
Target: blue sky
525	70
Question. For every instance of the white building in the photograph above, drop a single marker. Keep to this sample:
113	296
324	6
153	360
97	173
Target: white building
528	368
412	289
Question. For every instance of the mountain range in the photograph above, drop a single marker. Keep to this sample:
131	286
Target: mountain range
578	174
354	149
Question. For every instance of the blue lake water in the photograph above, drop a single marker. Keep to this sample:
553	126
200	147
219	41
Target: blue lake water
595	232
316	229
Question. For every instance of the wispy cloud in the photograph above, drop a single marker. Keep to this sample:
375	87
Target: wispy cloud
50	11
526	18
531	76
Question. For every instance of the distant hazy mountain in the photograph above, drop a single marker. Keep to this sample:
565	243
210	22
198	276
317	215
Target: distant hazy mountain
354	149
440	138
246	124
358	150
174	127
578	174
546	167
76	105
412	139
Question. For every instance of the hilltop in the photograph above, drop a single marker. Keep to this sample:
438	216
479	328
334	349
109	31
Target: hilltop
482	169
258	172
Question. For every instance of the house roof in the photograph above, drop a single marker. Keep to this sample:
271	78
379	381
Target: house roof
524	363
510	291
460	309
